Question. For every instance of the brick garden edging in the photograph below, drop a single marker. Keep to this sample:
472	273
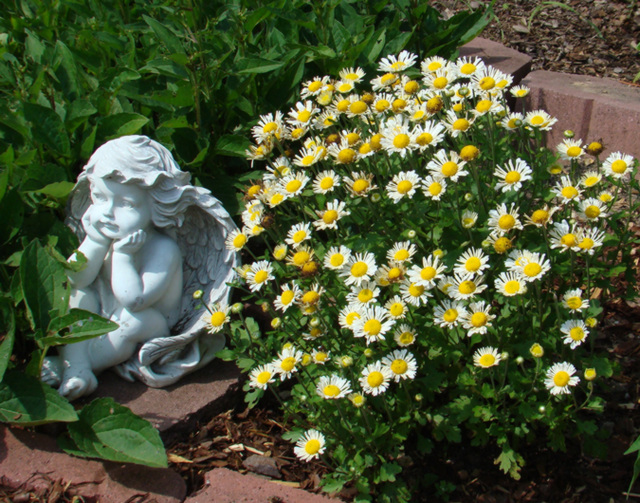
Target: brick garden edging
595	108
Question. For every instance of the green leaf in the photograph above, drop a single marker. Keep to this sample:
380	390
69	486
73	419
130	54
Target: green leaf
258	65
111	431
232	145
8	321
166	36
125	123
12	211
44	284
66	71
510	462
82	325
47	128
26	401
78	112
58	190
388	472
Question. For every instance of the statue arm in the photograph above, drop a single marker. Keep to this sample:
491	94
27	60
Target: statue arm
140	289
94	253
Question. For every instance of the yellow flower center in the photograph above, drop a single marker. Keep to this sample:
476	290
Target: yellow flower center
396	309
434	104
461	125
401	255
467	68
469	153
592	211
352	76
506	222
404	187
487	360
406	338
473	264
428	273
304	116
299	236
297	133
502	245
435	188
537	120
311	297
376	141
569	192
590	181
253	190
365	148
358	107
479	319
382	105
605	197
326	183
288	364
398	104
618	166
512	287
342	106
331	390
449	168
399	367
330	216
388	79
293	186
411	87
537	351
337	259
375	379
351	317
561	379
398	65
353	138
424	139
287	297
576	333
365	295
487	83
450	315
321	356
347	155
345	87
263	377
512	177
532	269
269	127
416	290
312	447
434	65
540	217
483	106
586	244
308	160
458	107
401	141
574	151
372	327
568	240
440	82
218	318
300	258
359	269
467	287
276	199
394	273
239	241
316	85
360	185
261	276
574	303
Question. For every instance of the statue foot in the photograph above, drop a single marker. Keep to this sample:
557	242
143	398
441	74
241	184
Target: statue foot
52	371
78	383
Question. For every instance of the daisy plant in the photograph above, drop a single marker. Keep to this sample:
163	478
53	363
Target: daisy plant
427	271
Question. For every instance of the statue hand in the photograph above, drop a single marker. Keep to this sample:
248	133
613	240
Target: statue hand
130	244
93	232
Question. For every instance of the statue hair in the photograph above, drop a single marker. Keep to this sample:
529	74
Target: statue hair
142	161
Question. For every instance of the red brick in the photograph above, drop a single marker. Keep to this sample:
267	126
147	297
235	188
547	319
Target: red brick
500	57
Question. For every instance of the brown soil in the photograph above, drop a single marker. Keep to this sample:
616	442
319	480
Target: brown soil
586	37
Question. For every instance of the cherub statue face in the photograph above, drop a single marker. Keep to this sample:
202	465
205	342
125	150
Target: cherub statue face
119	209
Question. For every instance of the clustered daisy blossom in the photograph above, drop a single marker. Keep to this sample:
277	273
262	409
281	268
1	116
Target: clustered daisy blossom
399	234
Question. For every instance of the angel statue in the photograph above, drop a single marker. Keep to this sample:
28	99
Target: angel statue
151	239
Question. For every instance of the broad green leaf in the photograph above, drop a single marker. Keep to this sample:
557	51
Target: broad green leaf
26	401
126	123
111	431
8	322
82	325
44	284
34	48
166	36
59	190
78	112
47	128
12	211
232	145
66	71
258	65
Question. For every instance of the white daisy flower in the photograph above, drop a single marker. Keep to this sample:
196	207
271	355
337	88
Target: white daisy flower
560	377
510	284
449	313
293	184
364	293
373	324
573	300
590	239
486	357
592	209
397	307
359	267
399	63
448	166
259	273
349	315
512	175
414	293
404	335
467	288
403	185
336	257
617	165
325	182
375	379
477	318
564	236
566	190
298	234
262	376
333	387
289	295
539	119
575	332
434	187
330	216
471	263
402	365
503	219
285	364
570	149
217	317
310	446
427	134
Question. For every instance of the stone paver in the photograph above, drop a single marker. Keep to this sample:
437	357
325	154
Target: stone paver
32	458
497	55
594	108
226	486
176	408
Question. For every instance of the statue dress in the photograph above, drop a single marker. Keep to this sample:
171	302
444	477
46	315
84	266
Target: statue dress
151	239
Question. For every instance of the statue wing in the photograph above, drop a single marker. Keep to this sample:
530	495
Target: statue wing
77	204
207	266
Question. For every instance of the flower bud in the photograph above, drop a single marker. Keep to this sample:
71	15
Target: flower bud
542	409
595	148
590	374
198	294
591	322
519	360
237	308
375	198
468	197
276	323
568	133
346	361
438	253
314	322
411	234
418	398
536	350
368	352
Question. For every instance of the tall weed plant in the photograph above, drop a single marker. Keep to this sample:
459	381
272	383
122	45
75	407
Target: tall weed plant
193	75
429	271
